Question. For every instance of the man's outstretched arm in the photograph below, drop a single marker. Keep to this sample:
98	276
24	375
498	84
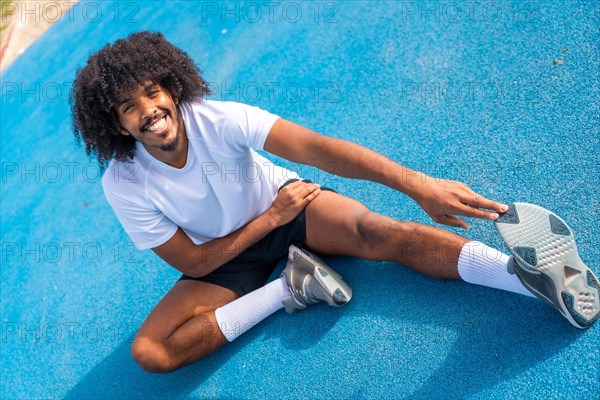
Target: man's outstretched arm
441	199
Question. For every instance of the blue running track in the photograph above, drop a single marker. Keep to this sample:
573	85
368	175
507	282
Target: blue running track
501	95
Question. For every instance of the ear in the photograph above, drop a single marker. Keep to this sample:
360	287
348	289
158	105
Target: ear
122	130
175	100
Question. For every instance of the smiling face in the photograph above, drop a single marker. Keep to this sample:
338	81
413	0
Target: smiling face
150	115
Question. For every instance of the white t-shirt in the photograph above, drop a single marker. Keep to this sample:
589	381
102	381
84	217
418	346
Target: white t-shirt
224	185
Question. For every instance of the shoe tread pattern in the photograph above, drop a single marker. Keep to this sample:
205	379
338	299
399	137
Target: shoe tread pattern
558	227
528	254
592	282
557	259
509	217
569	301
534	227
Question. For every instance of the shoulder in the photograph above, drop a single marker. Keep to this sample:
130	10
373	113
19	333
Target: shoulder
237	124
219	110
209	118
122	178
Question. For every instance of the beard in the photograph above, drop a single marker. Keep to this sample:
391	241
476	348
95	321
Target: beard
170	146
175	142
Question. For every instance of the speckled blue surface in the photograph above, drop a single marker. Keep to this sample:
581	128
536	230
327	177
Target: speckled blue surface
503	96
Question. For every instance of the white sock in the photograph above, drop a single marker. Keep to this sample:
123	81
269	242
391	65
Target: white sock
482	265
242	314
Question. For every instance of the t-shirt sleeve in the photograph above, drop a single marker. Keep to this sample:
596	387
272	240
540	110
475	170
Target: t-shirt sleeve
147	227
250	125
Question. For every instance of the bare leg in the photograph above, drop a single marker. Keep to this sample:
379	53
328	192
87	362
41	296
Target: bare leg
182	327
338	225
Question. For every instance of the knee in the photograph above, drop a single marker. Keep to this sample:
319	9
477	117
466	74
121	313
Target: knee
152	357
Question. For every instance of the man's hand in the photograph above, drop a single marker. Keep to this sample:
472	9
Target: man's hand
443	199
291	200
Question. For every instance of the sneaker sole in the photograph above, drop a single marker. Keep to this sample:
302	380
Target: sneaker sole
548	264
332	282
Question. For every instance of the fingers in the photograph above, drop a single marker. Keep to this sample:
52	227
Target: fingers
452	221
299	186
470	211
476	206
309	189
305	190
312	195
302	191
451	198
479	201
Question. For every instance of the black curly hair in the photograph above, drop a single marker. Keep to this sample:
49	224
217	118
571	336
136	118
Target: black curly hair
112	74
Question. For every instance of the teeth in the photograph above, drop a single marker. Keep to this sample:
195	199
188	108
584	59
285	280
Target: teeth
158	125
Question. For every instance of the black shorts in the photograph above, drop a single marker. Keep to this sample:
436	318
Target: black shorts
253	266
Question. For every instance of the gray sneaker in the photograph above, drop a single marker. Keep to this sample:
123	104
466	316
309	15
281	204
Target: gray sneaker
311	281
548	264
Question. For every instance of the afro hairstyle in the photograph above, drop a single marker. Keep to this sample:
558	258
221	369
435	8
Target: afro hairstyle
112	74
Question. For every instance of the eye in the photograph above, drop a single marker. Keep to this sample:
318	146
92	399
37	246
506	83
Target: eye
127	107
153	93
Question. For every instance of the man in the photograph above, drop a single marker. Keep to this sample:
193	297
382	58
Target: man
186	181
